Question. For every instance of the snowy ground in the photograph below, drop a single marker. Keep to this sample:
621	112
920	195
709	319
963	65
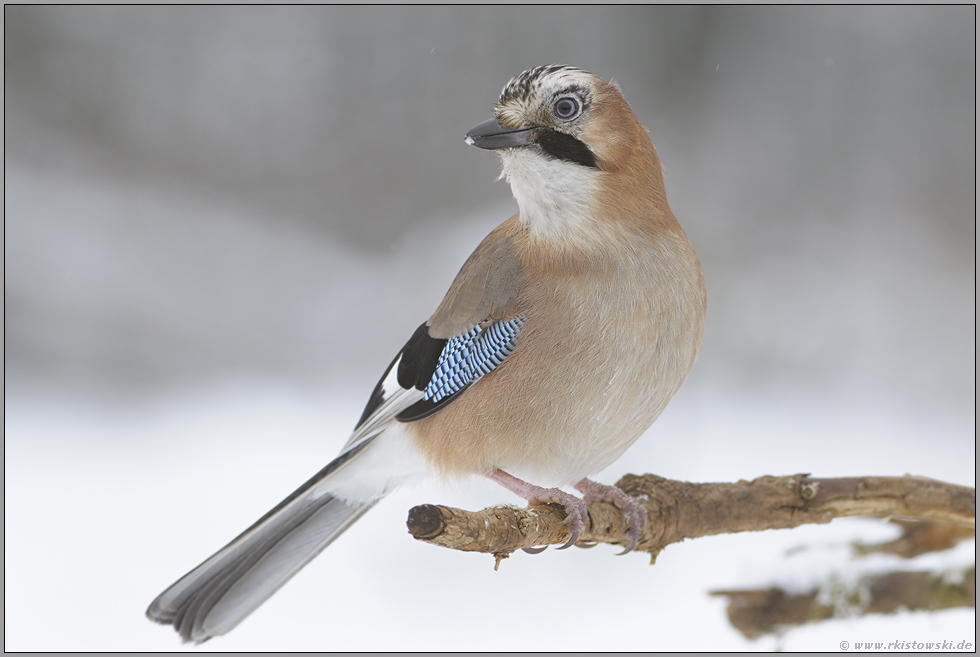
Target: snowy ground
103	509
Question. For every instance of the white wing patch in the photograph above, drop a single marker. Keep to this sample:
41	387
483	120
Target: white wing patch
395	399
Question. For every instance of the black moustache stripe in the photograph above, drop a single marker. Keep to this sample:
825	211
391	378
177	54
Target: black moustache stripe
566	147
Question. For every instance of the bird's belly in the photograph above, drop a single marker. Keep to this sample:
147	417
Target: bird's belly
561	408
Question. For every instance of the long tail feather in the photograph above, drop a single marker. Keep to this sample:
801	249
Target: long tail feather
221	592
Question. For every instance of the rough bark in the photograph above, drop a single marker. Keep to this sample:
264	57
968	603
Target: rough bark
681	510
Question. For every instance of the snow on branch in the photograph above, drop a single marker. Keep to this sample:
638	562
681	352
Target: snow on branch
772	610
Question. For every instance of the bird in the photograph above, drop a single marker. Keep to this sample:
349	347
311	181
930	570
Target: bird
560	341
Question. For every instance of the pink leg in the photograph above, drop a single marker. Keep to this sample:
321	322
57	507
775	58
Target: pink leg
575	508
636	515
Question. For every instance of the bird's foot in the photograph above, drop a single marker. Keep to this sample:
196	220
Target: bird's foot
576	510
636	514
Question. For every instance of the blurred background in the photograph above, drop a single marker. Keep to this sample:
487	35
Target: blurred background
221	223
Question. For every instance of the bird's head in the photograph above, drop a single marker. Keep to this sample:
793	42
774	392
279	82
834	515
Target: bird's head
565	136
561	113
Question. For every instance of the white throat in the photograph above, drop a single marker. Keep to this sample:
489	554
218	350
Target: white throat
555	197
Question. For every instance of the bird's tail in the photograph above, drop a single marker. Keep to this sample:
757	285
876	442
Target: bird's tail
217	595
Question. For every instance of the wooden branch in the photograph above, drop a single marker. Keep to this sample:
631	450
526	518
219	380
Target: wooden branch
755	612
919	537
679	510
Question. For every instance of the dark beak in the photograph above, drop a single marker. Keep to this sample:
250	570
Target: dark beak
492	136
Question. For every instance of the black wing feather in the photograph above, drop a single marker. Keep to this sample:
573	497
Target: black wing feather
444	369
420	357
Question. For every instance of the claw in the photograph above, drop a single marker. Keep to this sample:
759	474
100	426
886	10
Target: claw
637	517
570	543
576	509
629	547
636	514
537	550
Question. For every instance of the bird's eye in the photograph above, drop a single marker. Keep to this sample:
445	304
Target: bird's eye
566	107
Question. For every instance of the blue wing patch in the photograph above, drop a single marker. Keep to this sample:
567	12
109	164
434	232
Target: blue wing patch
462	361
467	357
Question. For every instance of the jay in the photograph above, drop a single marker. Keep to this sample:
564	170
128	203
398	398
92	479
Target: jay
558	344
